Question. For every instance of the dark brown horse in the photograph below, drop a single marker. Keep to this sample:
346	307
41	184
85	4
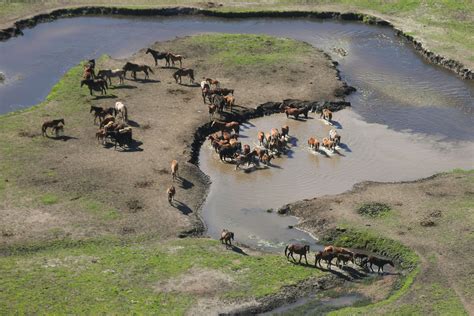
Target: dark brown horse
326	256
183	72
223	126
172	57
54	125
158	55
134	68
296	112
299	249
227	236
379	262
96	85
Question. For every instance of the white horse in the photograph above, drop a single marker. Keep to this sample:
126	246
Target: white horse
108	73
335	137
122	109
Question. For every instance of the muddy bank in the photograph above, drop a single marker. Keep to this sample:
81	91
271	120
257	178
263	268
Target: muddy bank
16	29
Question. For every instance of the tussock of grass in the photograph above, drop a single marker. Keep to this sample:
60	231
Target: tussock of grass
373	209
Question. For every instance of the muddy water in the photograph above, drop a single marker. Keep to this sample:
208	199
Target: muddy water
409	119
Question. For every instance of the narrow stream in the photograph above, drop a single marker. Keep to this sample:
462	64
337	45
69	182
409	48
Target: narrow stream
409	119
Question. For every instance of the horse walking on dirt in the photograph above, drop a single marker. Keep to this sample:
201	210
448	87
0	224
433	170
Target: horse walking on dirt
158	55
299	249
95	85
121	109
134	68
227	236
173	58
109	73
379	262
183	72
54	125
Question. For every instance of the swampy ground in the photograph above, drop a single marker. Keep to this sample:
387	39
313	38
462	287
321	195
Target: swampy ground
445	27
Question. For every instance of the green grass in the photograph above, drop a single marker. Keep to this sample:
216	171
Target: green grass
49	199
244	49
121	279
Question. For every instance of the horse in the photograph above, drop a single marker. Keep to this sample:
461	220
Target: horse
267	158
100	135
212	109
223	126
122	109
174	58
326	256
109	73
245	158
54	125
326	114
299	249
174	169
99	112
229	151
285	130
212	82
338	250
313	143
361	256
121	136
296	112
261	138
89	68
184	72
335	137
329	144
229	101
218	101
171	191
344	258
158	55
96	85
134	68
106	121
227	236
379	262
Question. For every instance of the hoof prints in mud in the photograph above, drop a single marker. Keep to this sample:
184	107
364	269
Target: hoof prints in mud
243	114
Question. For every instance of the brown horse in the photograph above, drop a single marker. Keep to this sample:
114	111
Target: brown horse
379	262
326	114
299	249
329	144
171	191
182	72
338	250
158	55
261	138
285	131
134	68
54	125
335	137
213	82
223	126
227	236
326	256
172	57
344	258
229	101
313	143
296	112
174	169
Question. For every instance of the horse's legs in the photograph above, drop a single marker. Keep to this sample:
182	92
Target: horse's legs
300	258
90	91
306	259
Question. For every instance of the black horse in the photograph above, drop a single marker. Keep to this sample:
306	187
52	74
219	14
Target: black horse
134	68
158	55
96	85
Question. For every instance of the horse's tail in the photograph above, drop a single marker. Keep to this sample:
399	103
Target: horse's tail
286	249
149	68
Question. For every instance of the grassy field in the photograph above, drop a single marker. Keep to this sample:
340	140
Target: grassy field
445	26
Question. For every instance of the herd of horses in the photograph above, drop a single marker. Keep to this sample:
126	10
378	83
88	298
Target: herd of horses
113	126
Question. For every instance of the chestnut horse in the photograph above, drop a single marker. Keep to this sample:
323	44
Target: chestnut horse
299	249
313	143
174	169
171	191
326	114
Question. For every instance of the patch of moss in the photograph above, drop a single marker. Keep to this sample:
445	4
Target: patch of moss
373	209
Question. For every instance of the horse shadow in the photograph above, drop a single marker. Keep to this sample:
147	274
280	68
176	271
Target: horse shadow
238	250
354	273
133	146
64	138
345	147
183	208
336	273
133	123
185	184
191	85
123	86
336	124
105	96
337	152
302	263
147	80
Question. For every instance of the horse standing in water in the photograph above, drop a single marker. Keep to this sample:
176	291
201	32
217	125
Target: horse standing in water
158	55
